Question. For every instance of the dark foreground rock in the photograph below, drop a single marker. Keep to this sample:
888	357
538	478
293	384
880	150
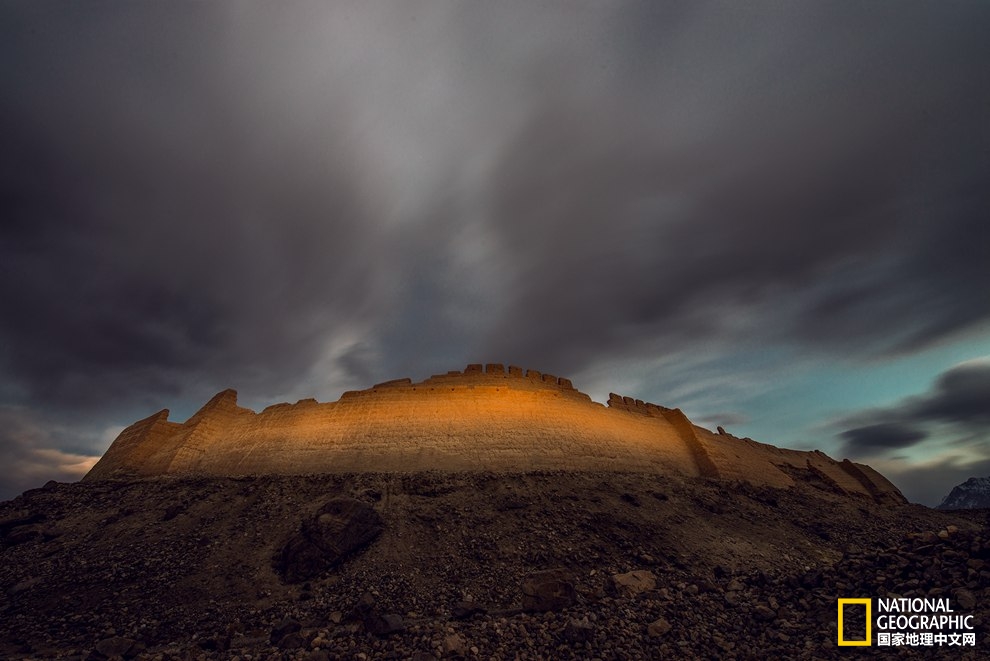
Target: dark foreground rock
548	590
341	527
736	573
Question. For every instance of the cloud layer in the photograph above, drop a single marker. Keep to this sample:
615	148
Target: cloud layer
950	423
294	201
35	453
959	399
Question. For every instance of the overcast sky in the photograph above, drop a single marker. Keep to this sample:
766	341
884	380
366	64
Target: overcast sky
772	215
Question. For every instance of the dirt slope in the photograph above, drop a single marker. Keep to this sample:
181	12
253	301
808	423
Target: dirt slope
184	567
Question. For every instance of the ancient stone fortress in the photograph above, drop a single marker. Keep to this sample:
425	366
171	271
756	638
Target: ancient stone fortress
481	419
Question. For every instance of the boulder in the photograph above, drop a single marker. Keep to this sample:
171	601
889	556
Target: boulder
462	610
341	527
288	625
632	583
115	647
548	590
292	641
383	625
364	605
374	621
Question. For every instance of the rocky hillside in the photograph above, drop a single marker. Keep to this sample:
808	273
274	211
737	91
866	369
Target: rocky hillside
971	494
466	565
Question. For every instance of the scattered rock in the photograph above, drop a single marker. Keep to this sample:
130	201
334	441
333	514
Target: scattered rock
116	646
965	598
284	628
364	605
23	586
658	628
215	643
513	502
383	625
764	613
811	579
21	535
291	641
198	587
579	630
630	499
17	519
454	645
462	610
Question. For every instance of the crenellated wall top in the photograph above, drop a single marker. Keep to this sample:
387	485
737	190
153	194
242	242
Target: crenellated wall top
477	374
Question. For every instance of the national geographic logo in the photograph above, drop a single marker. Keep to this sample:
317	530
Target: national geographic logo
865	642
900	621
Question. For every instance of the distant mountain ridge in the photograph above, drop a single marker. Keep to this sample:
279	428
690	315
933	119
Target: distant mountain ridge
974	493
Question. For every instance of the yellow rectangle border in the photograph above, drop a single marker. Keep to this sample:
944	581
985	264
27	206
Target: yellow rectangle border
869	623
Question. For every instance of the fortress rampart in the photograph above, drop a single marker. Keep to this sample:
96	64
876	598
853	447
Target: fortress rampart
488	417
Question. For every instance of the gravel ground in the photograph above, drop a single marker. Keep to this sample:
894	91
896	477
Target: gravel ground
187	569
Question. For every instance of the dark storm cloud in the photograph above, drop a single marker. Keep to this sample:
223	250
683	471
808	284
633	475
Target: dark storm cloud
294	199
884	435
959	399
156	231
832	188
961	395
